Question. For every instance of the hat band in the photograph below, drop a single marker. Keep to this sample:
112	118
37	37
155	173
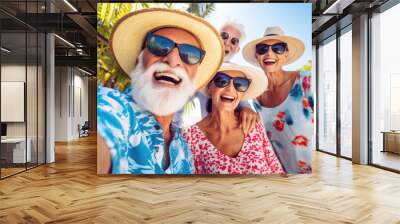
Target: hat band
273	34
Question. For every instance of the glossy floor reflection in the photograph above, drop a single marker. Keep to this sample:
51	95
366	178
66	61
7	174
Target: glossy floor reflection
387	159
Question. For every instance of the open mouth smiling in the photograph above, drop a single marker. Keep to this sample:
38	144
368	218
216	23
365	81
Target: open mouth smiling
227	99
167	78
269	61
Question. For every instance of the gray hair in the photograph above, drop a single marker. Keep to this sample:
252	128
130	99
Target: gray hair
237	26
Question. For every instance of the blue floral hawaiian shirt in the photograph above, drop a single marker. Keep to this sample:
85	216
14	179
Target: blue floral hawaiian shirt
135	138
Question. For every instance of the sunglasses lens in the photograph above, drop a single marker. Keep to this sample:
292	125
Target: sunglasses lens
190	54
241	84
224	35
221	80
159	45
261	49
235	41
162	46
279	48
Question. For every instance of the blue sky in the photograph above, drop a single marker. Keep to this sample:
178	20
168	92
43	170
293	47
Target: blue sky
293	18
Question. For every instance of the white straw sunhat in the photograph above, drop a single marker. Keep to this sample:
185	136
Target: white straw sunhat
295	45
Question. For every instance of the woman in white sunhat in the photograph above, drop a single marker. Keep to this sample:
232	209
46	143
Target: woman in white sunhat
286	106
218	144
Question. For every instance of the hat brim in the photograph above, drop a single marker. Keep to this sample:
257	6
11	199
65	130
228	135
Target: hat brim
129	32
295	46
258	85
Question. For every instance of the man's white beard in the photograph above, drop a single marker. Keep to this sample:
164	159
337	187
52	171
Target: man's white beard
160	100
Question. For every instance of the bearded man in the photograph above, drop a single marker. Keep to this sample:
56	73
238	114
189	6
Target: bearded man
169	55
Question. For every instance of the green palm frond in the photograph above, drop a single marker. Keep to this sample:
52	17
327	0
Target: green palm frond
210	7
108	72
306	67
169	5
201	9
189	107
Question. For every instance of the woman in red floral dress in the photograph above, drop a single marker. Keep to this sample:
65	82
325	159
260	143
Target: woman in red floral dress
218	143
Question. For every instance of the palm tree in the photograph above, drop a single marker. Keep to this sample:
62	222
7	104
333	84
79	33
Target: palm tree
201	9
108	14
108	73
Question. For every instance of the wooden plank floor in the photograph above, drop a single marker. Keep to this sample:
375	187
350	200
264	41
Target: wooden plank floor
10	171
69	191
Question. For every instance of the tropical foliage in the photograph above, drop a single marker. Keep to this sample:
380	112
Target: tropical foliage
306	67
108	73
201	9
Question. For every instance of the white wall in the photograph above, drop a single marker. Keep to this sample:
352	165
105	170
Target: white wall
33	126
79	111
16	73
61	103
12	100
71	94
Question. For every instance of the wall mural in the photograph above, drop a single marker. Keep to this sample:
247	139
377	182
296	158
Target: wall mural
204	88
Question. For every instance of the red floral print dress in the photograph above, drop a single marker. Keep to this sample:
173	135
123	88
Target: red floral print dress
255	157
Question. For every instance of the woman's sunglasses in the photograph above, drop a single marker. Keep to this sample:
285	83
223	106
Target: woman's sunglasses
234	40
222	80
278	48
162	46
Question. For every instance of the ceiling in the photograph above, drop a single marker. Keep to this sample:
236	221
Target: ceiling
332	15
75	22
72	20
